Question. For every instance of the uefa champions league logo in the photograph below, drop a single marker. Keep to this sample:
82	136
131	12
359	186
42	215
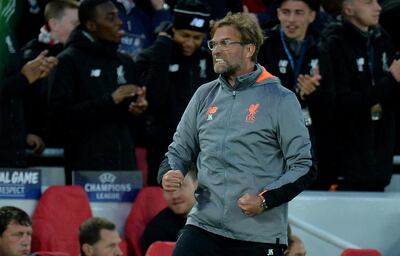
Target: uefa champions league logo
107	178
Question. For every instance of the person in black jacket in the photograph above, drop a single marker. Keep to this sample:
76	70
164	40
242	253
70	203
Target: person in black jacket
290	52
15	79
167	224
174	67
366	79
61	18
389	20
93	94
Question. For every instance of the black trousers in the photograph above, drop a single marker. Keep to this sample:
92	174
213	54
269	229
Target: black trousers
195	241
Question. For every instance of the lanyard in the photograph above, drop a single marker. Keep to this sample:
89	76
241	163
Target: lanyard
296	65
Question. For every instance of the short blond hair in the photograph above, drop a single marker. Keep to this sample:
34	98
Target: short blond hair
56	8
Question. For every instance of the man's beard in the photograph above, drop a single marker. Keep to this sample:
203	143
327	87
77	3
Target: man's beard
228	71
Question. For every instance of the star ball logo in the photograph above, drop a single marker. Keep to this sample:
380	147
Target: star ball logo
107	178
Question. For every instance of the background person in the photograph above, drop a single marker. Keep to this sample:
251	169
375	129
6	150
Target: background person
365	80
173	68
15	80
15	232
99	237
167	225
93	93
61	18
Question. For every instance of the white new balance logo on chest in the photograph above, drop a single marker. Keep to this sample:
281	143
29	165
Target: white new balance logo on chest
270	252
95	72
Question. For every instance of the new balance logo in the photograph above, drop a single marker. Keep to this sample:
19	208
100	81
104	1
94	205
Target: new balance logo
197	22
210	112
174	68
270	252
95	72
360	64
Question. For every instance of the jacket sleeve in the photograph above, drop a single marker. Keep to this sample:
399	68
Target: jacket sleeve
13	86
295	144
12	82
154	64
62	99
185	146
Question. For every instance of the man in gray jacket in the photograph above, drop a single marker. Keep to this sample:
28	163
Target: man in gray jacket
246	133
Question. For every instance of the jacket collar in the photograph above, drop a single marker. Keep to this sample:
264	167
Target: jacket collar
359	35
83	40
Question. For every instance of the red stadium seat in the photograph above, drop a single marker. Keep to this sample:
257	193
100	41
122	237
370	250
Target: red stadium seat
149	202
160	248
360	252
42	253
57	217
124	247
141	159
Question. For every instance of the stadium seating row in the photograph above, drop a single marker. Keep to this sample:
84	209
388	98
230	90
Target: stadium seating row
61	210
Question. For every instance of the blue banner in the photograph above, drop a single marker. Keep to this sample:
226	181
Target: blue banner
109	186
20	183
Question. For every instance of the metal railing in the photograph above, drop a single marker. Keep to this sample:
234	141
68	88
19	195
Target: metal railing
396	160
59	152
48	153
321	234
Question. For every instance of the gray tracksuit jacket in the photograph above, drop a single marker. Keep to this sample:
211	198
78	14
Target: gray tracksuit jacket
248	138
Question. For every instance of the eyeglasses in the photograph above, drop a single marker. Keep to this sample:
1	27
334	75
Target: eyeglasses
224	43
